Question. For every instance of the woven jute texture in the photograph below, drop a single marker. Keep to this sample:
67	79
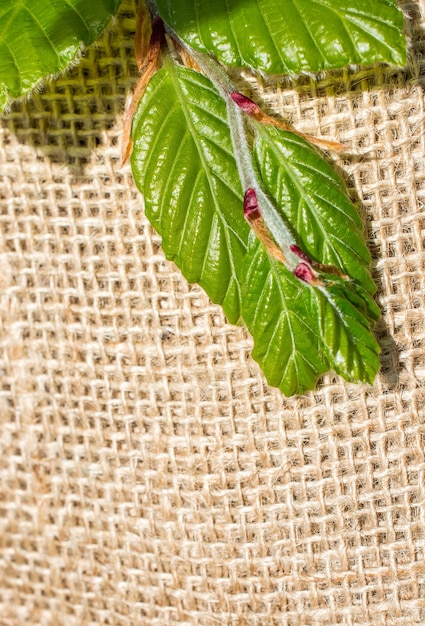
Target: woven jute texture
149	476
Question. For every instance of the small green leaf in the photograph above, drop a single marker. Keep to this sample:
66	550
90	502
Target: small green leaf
314	202
290	36
281	314
40	37
183	164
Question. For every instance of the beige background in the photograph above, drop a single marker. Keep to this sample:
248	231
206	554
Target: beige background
148	473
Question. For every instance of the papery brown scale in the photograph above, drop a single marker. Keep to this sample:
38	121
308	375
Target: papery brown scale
150	67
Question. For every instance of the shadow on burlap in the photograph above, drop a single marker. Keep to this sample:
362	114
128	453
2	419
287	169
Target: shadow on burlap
148	473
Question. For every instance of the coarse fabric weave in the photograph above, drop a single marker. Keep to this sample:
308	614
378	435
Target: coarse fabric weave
149	475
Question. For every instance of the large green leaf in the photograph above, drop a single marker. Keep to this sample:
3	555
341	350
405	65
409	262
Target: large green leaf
183	163
41	37
287	36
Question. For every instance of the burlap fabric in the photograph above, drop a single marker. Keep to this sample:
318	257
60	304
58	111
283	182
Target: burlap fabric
149	476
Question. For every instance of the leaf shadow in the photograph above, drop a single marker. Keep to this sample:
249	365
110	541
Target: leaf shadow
72	115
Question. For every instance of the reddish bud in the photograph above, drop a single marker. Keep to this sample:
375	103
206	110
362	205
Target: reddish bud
305	273
246	104
250	205
300	254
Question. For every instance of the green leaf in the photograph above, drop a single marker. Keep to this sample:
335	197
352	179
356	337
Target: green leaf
290	36
40	37
313	199
328	227
347	341
182	162
281	314
301	331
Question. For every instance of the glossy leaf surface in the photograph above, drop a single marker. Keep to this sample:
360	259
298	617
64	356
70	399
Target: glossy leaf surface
40	37
281	314
346	337
290	36
302	331
183	163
